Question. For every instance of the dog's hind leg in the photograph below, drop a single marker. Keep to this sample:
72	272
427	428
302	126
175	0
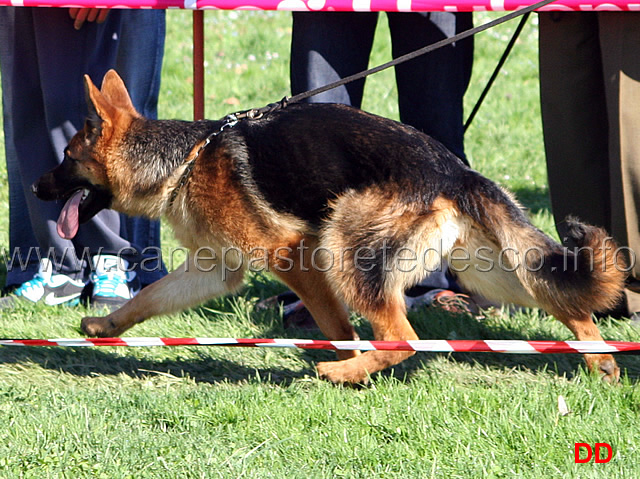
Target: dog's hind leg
309	281
389	323
383	245
189	285
585	329
504	287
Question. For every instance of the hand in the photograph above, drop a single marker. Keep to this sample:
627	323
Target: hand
80	15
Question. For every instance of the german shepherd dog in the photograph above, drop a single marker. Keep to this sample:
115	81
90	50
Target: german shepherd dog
373	195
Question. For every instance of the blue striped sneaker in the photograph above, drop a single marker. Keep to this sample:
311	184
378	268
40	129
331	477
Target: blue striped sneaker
49	288
110	280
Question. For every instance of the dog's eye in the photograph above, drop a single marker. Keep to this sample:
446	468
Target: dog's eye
67	156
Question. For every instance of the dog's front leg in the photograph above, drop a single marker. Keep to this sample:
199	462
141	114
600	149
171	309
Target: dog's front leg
187	286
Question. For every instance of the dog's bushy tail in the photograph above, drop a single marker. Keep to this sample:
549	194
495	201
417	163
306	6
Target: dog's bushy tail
584	274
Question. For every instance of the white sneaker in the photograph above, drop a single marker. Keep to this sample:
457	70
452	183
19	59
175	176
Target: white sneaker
110	281
49	288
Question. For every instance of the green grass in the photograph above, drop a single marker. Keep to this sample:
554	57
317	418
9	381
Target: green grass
215	412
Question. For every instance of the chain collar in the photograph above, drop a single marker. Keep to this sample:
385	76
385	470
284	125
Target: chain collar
229	121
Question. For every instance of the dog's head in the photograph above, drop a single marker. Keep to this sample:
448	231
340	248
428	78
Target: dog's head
84	178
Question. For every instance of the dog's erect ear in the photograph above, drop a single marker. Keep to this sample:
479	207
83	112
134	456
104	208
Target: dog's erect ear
101	111
114	90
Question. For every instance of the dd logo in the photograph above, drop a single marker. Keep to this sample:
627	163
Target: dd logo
592	452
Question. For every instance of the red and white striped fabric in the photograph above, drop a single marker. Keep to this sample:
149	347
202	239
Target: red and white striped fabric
427	345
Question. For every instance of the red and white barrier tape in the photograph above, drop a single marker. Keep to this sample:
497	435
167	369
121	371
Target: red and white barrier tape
427	345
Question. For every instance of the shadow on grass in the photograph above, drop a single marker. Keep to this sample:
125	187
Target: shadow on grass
90	362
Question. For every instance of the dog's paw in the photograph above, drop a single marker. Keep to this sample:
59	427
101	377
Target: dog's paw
609	371
342	372
99	327
605	366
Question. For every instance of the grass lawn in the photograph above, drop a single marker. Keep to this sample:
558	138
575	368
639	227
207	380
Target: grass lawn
189	412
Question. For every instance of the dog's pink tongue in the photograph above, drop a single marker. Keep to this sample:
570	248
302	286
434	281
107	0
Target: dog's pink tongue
68	221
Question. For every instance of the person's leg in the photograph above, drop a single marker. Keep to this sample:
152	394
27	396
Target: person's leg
328	46
140	54
431	87
586	79
21	266
94	49
31	150
574	118
619	39
64	55
24	103
47	93
46	51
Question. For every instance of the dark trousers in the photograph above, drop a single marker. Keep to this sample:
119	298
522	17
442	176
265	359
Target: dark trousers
43	60
328	46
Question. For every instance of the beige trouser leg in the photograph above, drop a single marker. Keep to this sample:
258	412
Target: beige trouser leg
590	92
